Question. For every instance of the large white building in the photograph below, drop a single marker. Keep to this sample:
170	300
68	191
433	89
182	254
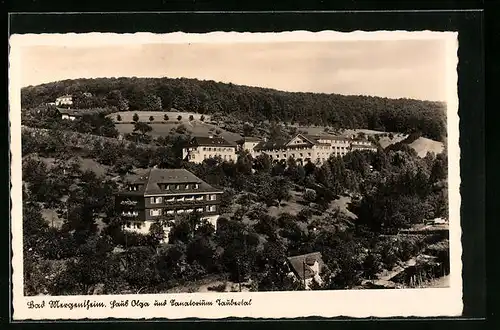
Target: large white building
200	148
64	100
313	148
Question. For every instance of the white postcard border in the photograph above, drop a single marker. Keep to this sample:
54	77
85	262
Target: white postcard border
353	303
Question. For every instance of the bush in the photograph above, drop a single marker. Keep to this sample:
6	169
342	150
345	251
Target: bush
165	117
179	118
310	195
202	118
218	288
191	118
151	118
135	117
119	118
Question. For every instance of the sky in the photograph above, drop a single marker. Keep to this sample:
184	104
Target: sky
391	68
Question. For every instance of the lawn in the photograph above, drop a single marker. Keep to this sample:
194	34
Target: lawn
196	128
423	145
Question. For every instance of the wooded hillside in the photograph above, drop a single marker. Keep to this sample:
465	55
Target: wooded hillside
252	104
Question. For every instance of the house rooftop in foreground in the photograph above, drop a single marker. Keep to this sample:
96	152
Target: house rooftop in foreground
153	179
301	264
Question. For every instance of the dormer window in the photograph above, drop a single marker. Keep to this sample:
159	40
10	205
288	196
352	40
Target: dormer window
167	187
187	187
177	187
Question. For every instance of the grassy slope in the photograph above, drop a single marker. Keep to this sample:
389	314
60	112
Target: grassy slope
423	145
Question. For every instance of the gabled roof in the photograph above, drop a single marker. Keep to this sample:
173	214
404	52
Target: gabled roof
327	137
210	141
269	145
301	264
153	178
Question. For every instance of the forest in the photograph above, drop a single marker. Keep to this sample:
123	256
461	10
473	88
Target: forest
246	104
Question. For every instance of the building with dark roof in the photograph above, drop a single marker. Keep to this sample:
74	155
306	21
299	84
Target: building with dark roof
307	268
158	193
248	143
200	148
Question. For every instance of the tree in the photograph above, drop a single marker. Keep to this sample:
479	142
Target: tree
119	118
116	99
152	102
151	118
191	118
135	117
143	128
179	118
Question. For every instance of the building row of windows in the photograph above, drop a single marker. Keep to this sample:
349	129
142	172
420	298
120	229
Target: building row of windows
169	187
137	224
218	149
161	199
158	212
225	157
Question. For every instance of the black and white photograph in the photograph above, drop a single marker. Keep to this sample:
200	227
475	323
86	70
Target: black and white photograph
238	170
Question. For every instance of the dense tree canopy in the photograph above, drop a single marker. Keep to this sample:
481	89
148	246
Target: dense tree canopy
251	104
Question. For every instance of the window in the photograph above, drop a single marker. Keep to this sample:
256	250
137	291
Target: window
167	187
189	210
196	186
187	187
200	198
180	211
230	157
213	197
209	149
211	208
155	212
180	199
177	187
204	149
170	212
156	200
171	199
199	209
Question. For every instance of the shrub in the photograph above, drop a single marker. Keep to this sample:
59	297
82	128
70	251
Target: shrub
218	288
179	118
165	117
119	118
135	117
151	118
310	195
202	118
191	118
